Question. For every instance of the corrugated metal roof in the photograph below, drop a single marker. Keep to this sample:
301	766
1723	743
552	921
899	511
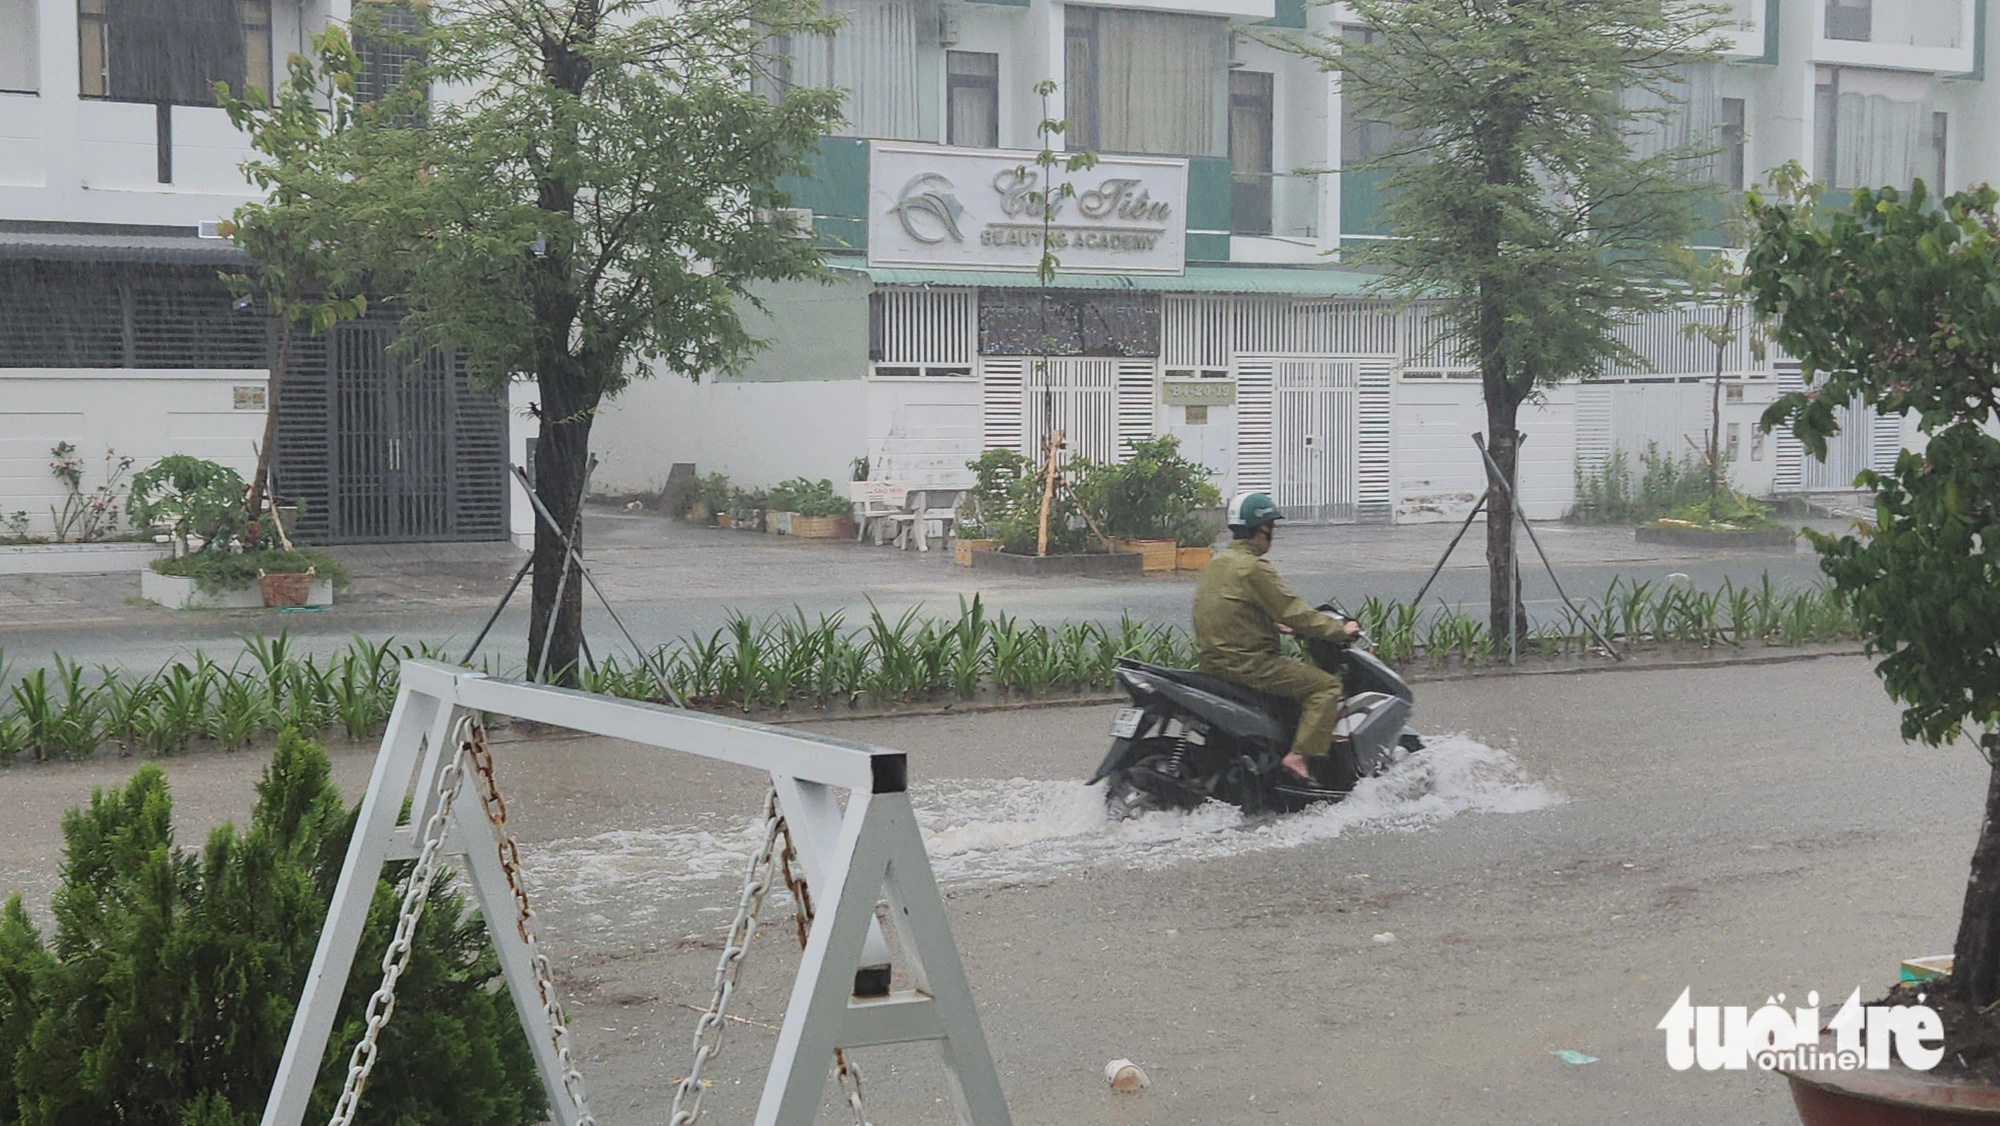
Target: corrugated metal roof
64	246
1302	281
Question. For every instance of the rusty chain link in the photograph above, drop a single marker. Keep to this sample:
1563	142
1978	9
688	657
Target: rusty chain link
708	1031
396	958
472	744
802	918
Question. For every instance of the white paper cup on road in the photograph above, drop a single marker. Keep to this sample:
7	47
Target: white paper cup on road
1126	1077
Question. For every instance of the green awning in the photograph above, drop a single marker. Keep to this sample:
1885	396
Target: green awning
1297	281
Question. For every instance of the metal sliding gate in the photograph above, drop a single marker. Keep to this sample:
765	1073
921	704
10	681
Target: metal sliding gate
383	447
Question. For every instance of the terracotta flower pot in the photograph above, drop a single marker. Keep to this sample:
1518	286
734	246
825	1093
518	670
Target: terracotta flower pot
722	519
961	550
1897	1097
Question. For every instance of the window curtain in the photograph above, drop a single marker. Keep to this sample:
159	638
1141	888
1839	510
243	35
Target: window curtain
173	50
1690	119
874	57
1883	130
1158	75
20	64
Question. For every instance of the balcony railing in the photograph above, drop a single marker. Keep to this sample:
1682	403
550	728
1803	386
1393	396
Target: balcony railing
1274	204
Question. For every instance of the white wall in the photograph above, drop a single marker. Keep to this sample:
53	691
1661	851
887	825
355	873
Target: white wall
143	414
756	433
67	159
1438	473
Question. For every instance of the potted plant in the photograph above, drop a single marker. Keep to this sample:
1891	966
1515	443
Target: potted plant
219	559
1194	538
1146	499
817	510
1896	303
712	505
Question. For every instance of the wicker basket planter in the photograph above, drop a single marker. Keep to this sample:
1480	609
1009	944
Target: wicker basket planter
286	589
815	527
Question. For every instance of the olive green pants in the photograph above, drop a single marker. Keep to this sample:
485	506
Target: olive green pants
1317	691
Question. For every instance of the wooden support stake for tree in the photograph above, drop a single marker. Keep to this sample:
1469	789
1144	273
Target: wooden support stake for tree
1048	492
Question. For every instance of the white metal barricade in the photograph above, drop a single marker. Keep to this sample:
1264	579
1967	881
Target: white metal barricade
853	860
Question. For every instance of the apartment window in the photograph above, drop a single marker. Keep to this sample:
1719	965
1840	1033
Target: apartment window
1250	152
1364	138
1940	151
875	59
172	52
20	61
1873	128
972	99
384	46
1144	82
1850	19
1733	137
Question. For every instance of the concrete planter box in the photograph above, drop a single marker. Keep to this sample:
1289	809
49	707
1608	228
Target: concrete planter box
176	592
78	558
1116	565
1699	537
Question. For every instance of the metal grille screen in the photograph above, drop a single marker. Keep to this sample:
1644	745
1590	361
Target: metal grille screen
58	315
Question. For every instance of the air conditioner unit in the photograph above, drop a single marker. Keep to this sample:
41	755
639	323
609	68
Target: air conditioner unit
947	25
796	221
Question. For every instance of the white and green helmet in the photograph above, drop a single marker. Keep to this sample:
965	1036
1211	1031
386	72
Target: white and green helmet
1250	510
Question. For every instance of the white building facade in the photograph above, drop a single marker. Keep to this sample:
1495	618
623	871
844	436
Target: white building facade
116	333
1270	362
1203	299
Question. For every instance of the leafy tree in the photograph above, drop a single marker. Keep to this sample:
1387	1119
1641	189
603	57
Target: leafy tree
1896	303
1517	200
590	205
167	994
302	277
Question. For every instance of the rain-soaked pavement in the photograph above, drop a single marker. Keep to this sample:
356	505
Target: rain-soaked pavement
670	579
1576	851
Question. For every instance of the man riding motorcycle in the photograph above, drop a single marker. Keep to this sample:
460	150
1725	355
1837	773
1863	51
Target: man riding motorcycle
1241	606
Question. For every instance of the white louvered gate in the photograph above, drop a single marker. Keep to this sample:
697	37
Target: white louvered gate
1867	440
1375	464
1001	379
1101	405
1253	424
1314	448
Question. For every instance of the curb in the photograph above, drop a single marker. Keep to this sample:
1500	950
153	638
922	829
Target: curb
1500	672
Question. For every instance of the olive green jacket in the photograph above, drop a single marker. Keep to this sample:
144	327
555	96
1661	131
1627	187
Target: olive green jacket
1238	604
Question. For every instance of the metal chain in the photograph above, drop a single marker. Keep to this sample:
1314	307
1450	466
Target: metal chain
472	744
708	1031
396	958
802	917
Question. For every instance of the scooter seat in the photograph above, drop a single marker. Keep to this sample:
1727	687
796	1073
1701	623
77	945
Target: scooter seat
1217	686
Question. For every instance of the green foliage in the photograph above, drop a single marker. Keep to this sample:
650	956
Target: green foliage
1897	303
808	498
233	570
1006	504
1665	484
1517	198
1153	494
1727	511
84	517
194	497
714	493
167	992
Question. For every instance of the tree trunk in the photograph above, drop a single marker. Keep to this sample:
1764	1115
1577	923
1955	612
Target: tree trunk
1975	965
562	455
1715	431
254	504
1502	443
1502	409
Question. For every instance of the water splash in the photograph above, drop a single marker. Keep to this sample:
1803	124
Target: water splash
986	832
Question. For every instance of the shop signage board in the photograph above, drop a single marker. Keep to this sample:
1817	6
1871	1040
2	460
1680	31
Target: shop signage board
971	209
